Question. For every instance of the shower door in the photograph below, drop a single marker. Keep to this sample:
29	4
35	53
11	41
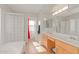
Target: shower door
14	27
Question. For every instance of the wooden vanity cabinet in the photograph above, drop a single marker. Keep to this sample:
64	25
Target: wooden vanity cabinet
48	42
64	48
60	46
44	40
59	50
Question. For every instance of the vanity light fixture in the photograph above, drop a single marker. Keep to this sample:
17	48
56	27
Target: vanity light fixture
61	10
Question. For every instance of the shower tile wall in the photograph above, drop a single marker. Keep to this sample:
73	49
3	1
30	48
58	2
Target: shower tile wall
14	27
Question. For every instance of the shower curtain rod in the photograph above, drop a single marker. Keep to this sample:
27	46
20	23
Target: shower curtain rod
16	13
21	14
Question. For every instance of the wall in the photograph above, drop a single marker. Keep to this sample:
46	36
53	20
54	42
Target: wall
0	27
13	25
4	9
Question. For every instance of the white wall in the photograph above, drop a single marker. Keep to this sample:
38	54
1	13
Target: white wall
0	27
12	25
4	9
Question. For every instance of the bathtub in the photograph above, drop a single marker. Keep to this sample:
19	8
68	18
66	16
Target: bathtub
12	47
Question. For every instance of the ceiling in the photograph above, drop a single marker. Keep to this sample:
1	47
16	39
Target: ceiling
31	8
72	9
45	9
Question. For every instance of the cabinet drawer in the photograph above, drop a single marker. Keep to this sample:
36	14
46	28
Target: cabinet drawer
67	47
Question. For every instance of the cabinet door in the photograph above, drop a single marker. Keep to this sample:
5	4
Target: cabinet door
50	44
59	50
69	48
67	52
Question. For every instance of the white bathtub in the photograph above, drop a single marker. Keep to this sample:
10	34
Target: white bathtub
12	47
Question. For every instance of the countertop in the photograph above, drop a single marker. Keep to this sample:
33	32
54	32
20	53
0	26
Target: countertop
65	38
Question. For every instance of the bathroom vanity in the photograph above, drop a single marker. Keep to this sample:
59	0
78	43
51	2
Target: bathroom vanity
61	45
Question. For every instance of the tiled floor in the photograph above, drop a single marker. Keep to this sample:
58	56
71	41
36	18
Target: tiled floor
34	47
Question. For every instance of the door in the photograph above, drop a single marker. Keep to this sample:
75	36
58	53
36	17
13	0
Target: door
14	27
59	50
